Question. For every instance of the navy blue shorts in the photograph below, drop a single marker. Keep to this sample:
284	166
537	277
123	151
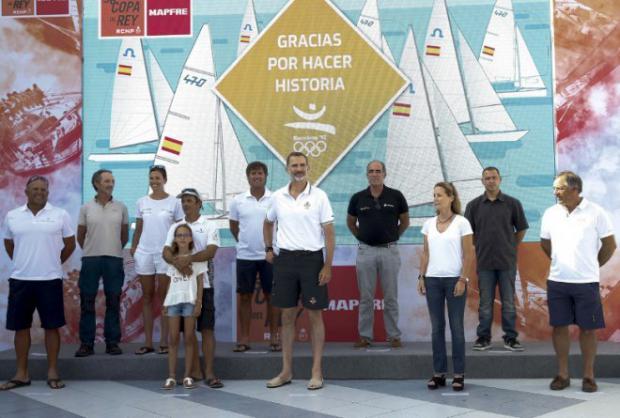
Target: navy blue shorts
246	275
46	296
575	303
296	276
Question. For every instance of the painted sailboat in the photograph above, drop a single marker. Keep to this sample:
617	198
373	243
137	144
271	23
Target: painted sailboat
140	100
249	28
425	141
505	57
369	24
198	146
463	83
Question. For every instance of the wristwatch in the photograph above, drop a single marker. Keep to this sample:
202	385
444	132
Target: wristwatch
464	279
268	249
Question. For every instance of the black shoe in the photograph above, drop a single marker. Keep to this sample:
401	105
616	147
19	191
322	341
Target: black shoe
513	344
85	350
113	349
482	344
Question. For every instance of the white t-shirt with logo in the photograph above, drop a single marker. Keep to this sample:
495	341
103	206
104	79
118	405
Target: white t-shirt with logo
204	233
157	216
446	248
38	241
250	213
184	289
575	241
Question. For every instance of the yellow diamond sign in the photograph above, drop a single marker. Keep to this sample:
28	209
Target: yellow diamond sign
311	82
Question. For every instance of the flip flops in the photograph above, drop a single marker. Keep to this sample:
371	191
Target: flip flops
144	350
15	384
275	347
214	383
240	348
315	384
163	349
55	383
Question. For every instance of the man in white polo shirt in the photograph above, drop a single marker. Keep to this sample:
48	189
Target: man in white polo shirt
578	237
206	242
305	227
38	238
103	231
247	214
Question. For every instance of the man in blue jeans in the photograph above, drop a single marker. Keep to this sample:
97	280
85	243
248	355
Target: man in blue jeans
499	225
102	233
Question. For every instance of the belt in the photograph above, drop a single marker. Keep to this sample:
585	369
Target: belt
386	245
299	252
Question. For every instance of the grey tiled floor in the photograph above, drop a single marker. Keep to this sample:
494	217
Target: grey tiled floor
342	398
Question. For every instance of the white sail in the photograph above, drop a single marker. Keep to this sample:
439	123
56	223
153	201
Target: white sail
487	111
498	53
249	28
369	24
132	119
411	150
385	47
161	90
121	158
441	60
233	160
188	145
529	77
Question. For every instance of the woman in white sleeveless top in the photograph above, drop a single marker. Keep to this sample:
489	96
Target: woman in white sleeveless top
155	214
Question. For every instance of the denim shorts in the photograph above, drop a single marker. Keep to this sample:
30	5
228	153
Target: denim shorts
181	309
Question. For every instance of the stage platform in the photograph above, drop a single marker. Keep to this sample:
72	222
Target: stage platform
341	361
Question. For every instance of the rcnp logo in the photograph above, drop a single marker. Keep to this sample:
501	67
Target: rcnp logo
169	17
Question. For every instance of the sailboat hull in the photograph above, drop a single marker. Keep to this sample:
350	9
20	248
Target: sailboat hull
522	94
124	157
496	136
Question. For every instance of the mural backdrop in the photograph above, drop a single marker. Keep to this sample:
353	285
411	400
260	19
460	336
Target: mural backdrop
437	89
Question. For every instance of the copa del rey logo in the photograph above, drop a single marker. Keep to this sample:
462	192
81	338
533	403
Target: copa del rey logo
311	82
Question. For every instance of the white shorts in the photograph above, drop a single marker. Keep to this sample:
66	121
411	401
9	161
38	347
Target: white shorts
148	264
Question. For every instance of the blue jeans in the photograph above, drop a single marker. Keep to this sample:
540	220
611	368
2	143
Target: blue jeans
439	290
111	270
487	281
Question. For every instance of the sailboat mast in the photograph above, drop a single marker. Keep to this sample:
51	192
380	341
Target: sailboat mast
459	65
220	155
149	79
516	52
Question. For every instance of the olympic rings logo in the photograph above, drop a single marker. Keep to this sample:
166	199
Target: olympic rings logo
310	148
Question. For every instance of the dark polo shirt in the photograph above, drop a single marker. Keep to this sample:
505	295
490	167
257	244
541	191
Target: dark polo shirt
494	224
378	219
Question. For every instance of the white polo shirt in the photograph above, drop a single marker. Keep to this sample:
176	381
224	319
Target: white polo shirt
575	241
250	213
38	241
157	216
204	233
300	220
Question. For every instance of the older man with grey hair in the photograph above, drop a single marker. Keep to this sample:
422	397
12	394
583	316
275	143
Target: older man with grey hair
577	235
377	217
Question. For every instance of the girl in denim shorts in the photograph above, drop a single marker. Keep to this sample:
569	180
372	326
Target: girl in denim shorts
183	300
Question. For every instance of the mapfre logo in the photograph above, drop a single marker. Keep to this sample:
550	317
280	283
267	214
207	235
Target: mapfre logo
169	12
169	17
351	304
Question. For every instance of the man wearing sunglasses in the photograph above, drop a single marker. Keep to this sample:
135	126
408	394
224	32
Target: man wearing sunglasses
377	216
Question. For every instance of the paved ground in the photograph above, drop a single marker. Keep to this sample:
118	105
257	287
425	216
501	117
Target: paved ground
340	398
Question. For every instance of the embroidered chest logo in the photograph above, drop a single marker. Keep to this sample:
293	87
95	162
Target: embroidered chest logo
307	205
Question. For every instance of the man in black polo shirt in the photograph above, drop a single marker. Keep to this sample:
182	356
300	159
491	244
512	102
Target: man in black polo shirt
499	225
377	217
